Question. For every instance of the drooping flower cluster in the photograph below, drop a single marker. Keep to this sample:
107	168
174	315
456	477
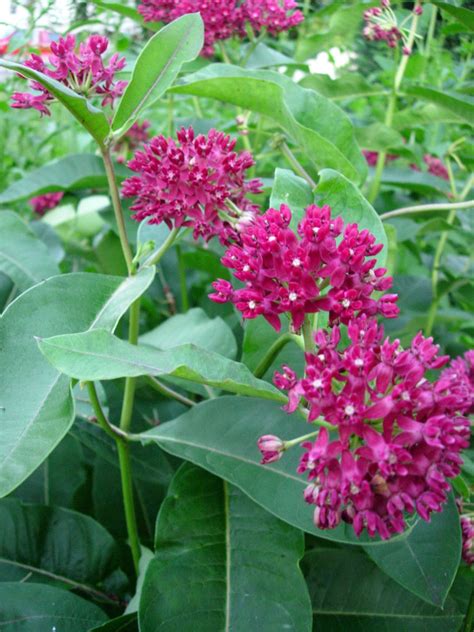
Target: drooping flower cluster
224	19
467	532
397	436
82	70
46	202
285	272
191	183
131	141
381	25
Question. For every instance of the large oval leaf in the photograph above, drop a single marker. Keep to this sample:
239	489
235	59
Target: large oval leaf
410	561
221	436
456	102
222	563
41	608
78	171
319	127
98	355
158	65
346	200
57	546
36	406
349	592
23	256
91	118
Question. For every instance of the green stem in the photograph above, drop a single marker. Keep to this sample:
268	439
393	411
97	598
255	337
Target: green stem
411	210
157	256
308	338
182	281
431	30
269	357
297	166
129	506
168	392
112	431
391	106
290	444
117	206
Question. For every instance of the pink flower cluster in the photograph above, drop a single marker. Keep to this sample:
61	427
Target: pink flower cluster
225	18
82	70
46	202
436	167
397	436
381	26
372	156
192	182
285	272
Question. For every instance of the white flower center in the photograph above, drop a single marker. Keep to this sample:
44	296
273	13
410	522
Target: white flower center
346	303
293	296
246	267
317	383
272	238
349	410
321	356
296	263
316	230
359	362
252	304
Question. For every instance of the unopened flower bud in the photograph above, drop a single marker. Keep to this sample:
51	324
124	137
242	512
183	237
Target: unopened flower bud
271	447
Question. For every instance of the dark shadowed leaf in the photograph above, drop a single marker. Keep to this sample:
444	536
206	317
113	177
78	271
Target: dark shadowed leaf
349	592
41	608
222	563
293	191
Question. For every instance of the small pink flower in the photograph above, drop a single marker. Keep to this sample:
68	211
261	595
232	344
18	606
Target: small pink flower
271	447
82	70
467	529
436	167
46	202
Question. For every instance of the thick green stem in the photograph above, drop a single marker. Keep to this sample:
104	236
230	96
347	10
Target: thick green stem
268	359
112	431
128	503
117	206
297	166
411	210
168	392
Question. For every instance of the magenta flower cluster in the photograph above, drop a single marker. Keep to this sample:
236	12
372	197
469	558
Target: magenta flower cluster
287	272
467	531
43	203
224	19
82	70
381	25
397	436
192	182
436	167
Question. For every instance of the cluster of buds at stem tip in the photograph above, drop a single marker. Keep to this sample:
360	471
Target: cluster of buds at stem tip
381	25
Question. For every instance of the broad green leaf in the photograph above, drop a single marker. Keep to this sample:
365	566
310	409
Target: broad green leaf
42	608
350	86
125	623
91	118
222	563
49	237
322	131
78	171
98	355
349	592
158	65
194	327
293	191
346	200
221	436
463	15
264	56
36	405
23	256
420	117
459	104
56	546
411	561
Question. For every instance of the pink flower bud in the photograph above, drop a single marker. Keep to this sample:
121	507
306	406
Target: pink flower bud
271	447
